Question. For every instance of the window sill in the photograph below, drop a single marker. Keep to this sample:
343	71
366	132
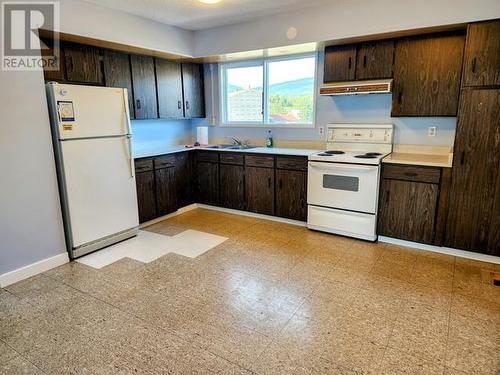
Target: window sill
278	126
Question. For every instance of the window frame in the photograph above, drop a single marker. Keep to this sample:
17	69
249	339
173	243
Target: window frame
264	62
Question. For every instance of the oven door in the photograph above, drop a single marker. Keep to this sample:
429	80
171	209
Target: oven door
346	186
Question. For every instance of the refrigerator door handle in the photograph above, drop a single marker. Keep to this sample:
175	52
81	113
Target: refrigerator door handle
127	114
131	157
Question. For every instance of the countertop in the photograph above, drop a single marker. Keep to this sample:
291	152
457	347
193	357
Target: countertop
435	156
150	150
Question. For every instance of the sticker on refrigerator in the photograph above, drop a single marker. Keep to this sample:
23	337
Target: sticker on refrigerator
65	110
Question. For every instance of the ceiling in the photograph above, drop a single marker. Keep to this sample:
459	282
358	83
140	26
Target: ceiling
193	15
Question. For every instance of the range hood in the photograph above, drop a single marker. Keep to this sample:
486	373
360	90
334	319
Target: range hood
379	86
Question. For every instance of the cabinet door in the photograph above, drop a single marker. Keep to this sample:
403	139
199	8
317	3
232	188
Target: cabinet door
482	54
291	194
52	75
208	182
169	87
166	190
184	179
374	60
473	215
259	188
407	210
194	94
83	64
340	63
143	78
427	75
117	74
146	199
232	186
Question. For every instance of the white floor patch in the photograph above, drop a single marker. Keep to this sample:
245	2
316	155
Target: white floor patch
148	246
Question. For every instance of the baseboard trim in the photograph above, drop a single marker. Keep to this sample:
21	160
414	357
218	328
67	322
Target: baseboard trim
164	217
33	269
442	250
253	214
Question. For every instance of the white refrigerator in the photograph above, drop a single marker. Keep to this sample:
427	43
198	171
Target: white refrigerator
92	144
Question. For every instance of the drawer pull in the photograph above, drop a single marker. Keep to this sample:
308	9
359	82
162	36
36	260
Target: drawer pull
269	182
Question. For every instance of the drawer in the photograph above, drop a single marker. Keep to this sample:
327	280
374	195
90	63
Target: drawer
231	158
412	173
266	161
143	165
166	161
208	156
291	162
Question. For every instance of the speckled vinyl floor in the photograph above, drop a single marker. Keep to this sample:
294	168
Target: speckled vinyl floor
272	299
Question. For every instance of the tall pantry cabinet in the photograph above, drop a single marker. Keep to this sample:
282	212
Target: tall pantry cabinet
474	207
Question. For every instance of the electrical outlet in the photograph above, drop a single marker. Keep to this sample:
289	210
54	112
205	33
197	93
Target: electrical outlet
212	120
431	131
321	131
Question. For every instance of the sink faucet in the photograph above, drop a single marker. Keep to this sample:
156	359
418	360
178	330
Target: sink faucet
239	142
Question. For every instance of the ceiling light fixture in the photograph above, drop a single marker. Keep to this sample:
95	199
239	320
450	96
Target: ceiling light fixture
209	1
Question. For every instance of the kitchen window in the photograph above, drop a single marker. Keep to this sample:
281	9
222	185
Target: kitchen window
270	92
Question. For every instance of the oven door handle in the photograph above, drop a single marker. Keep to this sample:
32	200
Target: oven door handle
346	167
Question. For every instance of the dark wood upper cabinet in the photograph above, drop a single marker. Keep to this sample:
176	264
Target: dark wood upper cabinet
427	72
474	204
169	86
117	74
374	60
482	54
232	186
193	89
259	189
340	63
407	210
291	194
143	78
52	74
82	63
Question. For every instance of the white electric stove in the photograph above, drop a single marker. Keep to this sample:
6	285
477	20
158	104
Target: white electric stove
343	180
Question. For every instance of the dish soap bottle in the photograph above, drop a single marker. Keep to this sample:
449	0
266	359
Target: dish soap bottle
269	139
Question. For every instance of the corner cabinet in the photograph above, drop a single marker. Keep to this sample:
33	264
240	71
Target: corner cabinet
193	89
207	176
427	71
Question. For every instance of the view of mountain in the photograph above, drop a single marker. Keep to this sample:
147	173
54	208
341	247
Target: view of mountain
297	87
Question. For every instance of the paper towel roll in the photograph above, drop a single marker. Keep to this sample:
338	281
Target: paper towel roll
202	135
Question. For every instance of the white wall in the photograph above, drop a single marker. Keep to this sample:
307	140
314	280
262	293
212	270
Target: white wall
93	21
341	19
329	109
30	216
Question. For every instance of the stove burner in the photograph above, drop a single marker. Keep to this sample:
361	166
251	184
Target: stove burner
373	153
334	152
325	154
366	156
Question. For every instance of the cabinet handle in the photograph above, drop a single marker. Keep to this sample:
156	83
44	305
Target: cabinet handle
138	104
364	61
187	104
350	63
387	196
269	182
462	158
179	104
473	68
400	97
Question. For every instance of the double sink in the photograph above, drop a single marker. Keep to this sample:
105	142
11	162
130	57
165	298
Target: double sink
231	147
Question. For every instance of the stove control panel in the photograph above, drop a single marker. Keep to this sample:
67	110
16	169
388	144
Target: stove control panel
361	134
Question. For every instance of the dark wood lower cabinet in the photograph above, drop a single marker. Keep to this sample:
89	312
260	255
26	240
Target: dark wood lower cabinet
208	182
291	194
259	187
232	186
166	191
146	197
184	175
407	210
